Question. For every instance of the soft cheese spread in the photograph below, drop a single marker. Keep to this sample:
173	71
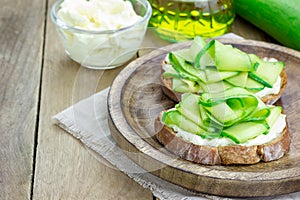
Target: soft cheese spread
273	90
98	15
274	132
104	33
276	87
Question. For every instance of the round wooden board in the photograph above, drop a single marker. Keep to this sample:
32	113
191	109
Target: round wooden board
136	98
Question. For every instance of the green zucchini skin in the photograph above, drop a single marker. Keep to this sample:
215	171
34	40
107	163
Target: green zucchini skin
279	18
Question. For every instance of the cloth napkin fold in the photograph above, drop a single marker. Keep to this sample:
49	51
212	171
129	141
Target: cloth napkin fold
87	121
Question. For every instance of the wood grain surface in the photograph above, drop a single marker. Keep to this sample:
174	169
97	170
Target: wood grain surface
21	42
136	98
65	168
37	159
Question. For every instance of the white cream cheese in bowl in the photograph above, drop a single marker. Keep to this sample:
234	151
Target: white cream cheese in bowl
101	34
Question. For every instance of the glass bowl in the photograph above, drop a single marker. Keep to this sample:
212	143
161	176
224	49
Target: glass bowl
107	48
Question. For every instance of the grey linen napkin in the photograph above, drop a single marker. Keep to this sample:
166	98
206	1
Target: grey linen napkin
87	121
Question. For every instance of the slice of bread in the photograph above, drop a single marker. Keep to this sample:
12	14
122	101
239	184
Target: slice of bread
221	155
176	96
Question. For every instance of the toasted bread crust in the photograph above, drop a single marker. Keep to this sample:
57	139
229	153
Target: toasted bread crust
176	96
222	155
272	98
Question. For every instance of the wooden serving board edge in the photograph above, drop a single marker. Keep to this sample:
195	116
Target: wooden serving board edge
221	187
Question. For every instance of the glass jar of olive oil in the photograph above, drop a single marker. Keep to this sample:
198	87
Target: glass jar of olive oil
178	20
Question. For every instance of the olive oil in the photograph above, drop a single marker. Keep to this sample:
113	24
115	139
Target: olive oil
178	20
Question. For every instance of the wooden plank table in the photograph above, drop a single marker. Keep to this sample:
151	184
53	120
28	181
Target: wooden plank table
38	160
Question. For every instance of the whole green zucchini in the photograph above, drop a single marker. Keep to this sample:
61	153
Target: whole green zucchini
279	18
